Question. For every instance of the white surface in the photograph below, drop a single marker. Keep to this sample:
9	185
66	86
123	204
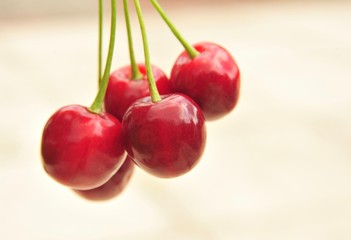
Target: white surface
278	167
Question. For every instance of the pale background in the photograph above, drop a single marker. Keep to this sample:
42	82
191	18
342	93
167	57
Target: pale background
277	168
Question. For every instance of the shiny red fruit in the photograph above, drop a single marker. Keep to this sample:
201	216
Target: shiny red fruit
81	149
113	187
211	79
166	138
122	91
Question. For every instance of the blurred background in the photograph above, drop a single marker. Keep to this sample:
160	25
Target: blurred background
277	167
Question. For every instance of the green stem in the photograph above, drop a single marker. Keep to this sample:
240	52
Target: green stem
155	96
136	74
189	48
96	107
101	13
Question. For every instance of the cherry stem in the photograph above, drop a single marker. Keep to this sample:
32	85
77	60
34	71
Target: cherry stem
136	74
101	12
192	52
96	107
155	96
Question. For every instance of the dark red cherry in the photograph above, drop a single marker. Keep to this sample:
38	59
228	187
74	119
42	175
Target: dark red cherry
166	138
81	149
211	79
114	186
122	91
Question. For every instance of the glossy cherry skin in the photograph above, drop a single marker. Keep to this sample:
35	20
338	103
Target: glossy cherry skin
211	79
81	149
122	91
166	138
114	186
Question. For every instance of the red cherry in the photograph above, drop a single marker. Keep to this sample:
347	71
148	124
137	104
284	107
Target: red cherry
211	79
122	91
166	138
81	149
114	186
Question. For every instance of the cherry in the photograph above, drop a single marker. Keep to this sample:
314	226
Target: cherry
212	79
130	83
206	72
122	90
165	135
113	187
165	138
81	149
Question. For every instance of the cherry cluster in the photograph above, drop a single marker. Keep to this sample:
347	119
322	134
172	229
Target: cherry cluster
140	116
